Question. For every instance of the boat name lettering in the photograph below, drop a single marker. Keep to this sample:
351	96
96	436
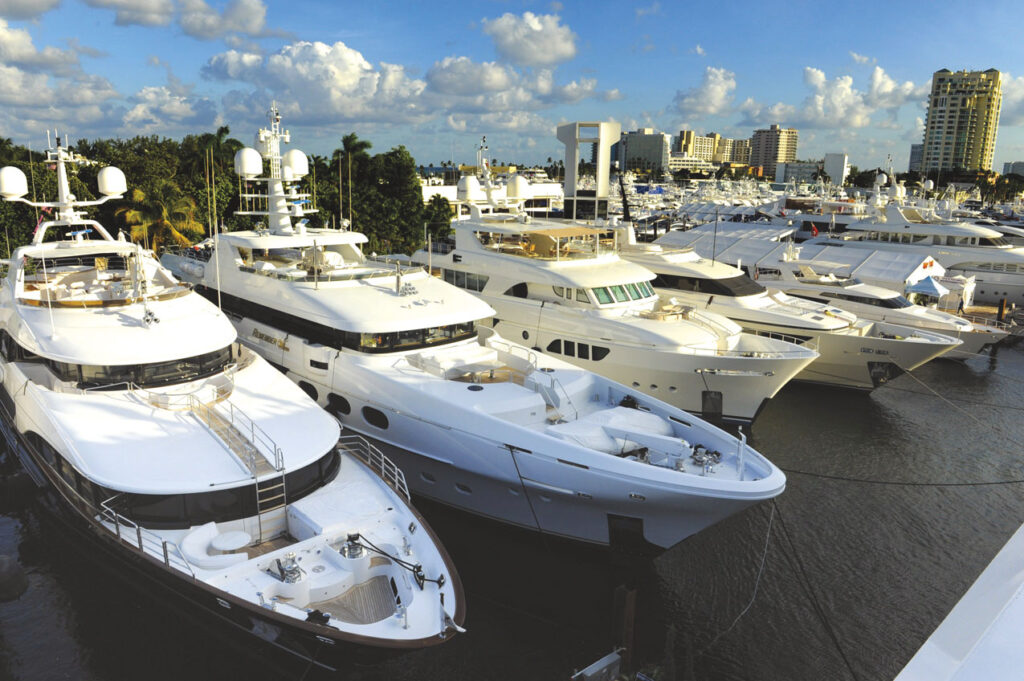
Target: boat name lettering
870	351
279	342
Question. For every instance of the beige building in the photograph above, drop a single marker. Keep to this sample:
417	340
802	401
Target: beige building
773	146
963	118
713	147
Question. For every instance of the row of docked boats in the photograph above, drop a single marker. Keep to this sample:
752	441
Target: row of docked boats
162	430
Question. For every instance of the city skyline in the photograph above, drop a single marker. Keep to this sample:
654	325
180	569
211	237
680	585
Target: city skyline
436	78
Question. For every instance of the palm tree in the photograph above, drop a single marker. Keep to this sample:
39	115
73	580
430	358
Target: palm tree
163	216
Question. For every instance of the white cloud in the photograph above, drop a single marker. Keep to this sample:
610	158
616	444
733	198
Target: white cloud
157	108
199	20
25	9
531	39
521	122
654	8
886	93
17	48
1013	101
713	97
612	95
698	50
755	113
234	65
861	59
463	76
833	103
140	12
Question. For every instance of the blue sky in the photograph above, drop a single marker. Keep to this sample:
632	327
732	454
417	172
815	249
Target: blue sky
436	76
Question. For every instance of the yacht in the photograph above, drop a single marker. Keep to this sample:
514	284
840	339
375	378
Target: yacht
190	465
883	305
960	247
477	422
854	353
562	290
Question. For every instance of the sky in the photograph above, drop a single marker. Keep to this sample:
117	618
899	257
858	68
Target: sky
437	76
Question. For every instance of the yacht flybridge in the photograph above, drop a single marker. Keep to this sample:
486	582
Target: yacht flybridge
855	353
475	421
191	463
563	290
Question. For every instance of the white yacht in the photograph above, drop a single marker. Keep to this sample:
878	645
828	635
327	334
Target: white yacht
854	353
560	289
962	248
882	305
475	421
190	464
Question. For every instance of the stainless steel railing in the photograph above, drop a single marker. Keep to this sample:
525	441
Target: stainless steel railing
377	461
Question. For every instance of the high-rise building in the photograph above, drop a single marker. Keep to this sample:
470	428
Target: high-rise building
713	147
770	147
963	117
643	149
916	156
1013	168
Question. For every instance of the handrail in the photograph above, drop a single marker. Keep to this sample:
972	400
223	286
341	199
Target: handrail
380	464
145	541
241	422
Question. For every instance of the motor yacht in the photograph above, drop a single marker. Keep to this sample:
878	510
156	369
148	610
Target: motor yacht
560	289
477	422
854	353
186	463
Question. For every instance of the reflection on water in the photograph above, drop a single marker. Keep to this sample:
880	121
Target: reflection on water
852	567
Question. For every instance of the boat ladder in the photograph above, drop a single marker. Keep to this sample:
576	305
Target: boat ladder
258	453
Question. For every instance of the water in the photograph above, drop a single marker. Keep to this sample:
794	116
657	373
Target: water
856	574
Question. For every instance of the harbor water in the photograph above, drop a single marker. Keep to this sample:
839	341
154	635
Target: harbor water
896	500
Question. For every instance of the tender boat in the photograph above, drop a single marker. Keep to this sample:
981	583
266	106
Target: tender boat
184	460
475	421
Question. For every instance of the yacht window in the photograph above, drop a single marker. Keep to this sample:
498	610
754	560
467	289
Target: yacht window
144	375
645	288
338	405
603	295
520	290
569	349
476	282
375	418
555	346
410	339
583	351
620	294
559	291
599	353
581	296
634	292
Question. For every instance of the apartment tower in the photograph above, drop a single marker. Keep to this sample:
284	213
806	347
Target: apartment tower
770	147
963	117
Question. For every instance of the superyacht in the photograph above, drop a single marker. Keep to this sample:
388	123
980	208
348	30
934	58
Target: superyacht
185	462
475	421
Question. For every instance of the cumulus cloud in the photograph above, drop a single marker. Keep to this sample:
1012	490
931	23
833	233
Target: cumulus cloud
26	9
531	39
463	76
521	122
199	20
137	12
1013	100
157	108
713	97
861	59
17	48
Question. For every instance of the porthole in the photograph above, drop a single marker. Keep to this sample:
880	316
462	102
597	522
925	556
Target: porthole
635	384
671	388
475	388
654	386
427	477
465	489
526	335
338	405
309	390
375	418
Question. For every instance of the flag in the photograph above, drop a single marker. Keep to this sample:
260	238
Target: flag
43	213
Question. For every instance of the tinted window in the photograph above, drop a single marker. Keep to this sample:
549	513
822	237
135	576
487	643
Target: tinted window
338	405
375	418
569	348
599	353
555	346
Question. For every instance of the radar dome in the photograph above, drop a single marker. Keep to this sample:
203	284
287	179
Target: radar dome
881	179
12	183
248	163
111	182
469	189
297	161
929	185
518	187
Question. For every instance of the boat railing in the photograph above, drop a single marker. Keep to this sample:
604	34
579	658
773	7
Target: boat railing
796	340
218	412
523	353
377	461
143	540
981	319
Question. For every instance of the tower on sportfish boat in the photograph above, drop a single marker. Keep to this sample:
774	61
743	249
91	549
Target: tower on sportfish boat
587	203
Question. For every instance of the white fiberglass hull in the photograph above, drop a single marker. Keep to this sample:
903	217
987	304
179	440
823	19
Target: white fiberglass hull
455	453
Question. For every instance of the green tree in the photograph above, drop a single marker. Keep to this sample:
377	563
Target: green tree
438	217
161	217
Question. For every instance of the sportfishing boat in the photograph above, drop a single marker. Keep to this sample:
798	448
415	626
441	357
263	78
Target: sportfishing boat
564	291
854	353
184	459
475	421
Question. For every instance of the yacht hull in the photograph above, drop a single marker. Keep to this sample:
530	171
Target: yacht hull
303	644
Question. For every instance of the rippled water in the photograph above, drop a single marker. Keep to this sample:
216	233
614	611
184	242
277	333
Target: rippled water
887	519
